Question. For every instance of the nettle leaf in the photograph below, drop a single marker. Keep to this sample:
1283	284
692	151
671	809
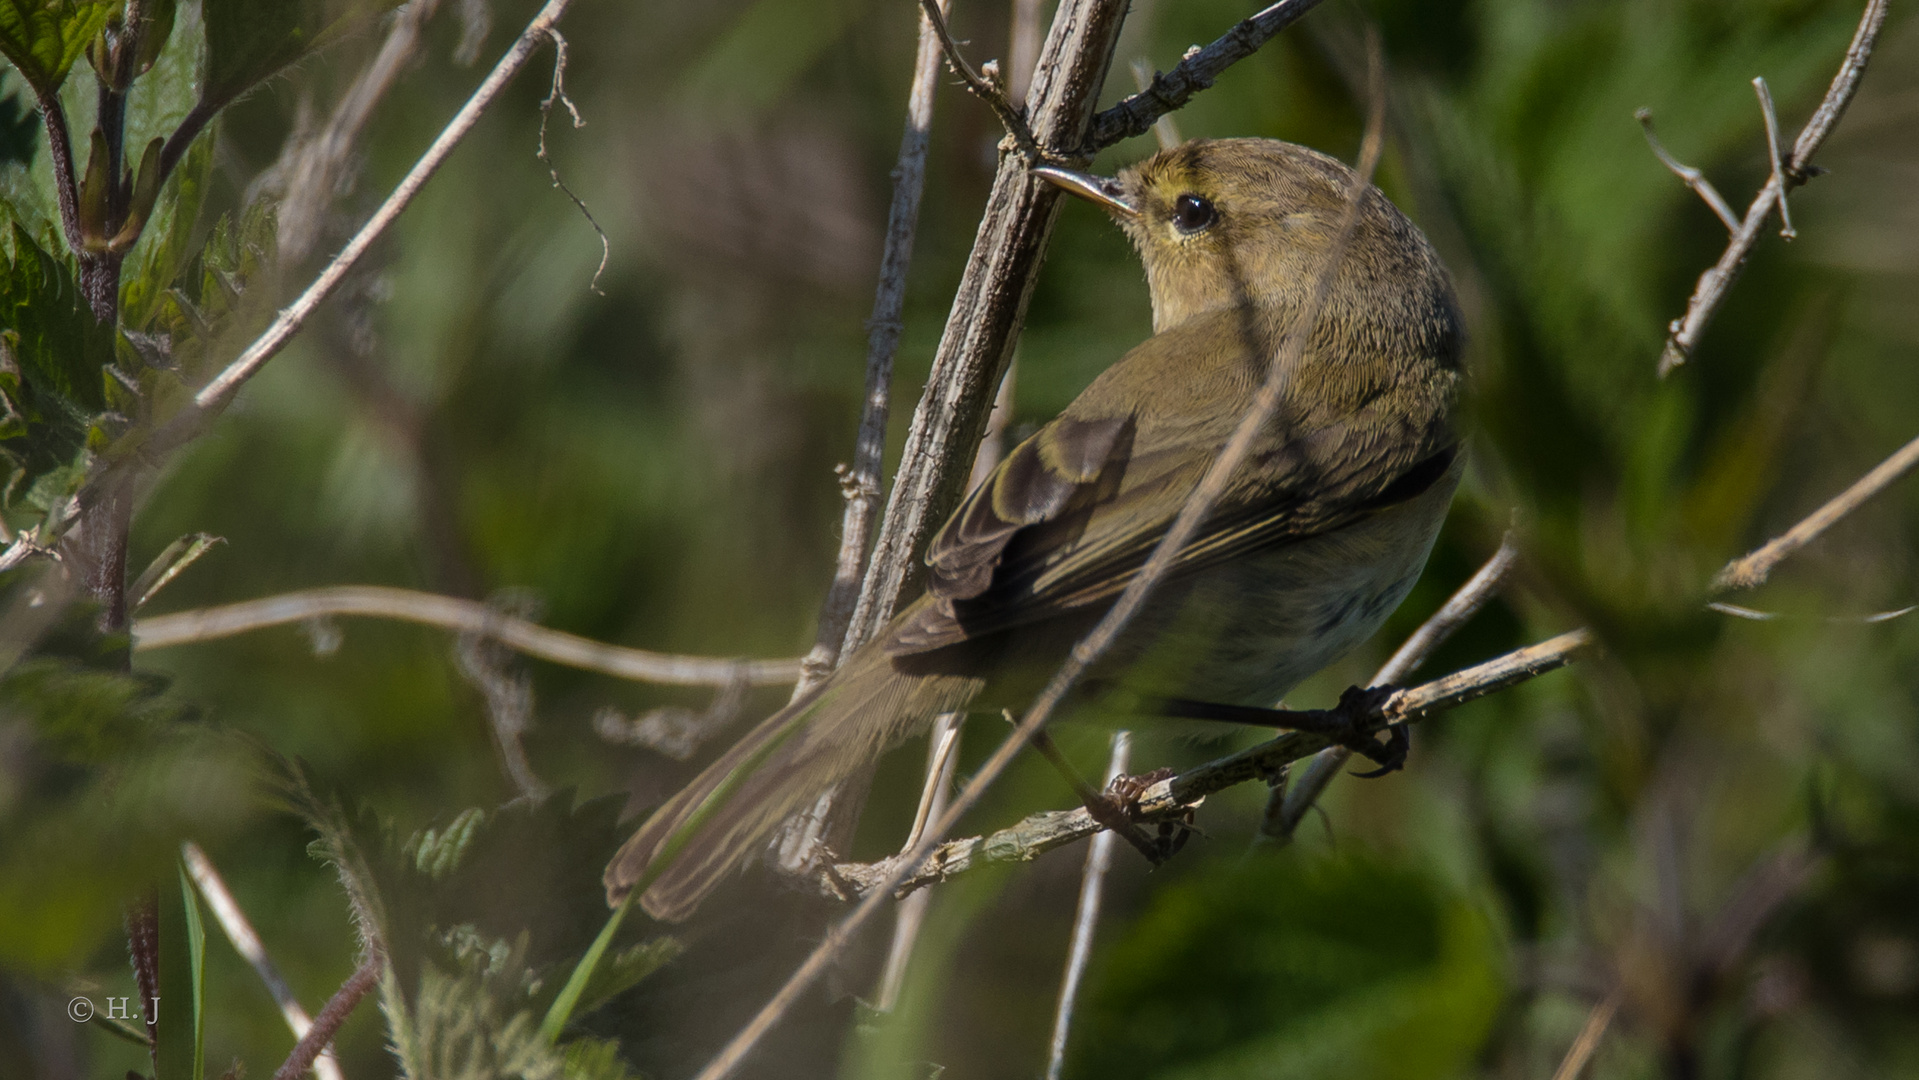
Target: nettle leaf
461	1029
44	37
53	359
248	41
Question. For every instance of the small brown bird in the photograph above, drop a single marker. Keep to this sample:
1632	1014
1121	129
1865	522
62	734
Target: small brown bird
1318	538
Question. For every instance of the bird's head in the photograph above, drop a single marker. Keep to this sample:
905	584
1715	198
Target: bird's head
1230	222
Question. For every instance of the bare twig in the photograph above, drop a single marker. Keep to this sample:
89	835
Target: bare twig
1099	857
222	388
860	483
1299	797
312	170
1739	612
1165	131
1167	799
1102	636
358	985
246	942
1753	569
465	616
942	756
1684	333
1692	177
1588	1041
558	94
1759	87
988	307
987	87
1197	71
973	352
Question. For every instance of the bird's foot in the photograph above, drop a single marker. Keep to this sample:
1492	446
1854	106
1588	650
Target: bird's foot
1385	749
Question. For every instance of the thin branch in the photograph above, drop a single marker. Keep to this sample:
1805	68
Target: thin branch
1588	1041
1170	799
988	307
313	169
246	942
464	616
1692	177
357	986
1753	569
222	388
1165	131
1099	858
1738	612
987	87
941	759
558	94
987	310
860	484
1684	333
1759	87
1197	71
1300	796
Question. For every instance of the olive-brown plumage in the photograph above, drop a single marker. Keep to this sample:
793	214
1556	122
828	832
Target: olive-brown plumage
1318	537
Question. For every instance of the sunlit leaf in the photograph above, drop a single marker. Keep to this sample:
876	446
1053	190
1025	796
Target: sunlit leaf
44	37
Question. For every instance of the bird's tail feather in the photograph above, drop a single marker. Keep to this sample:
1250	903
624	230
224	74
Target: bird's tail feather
702	833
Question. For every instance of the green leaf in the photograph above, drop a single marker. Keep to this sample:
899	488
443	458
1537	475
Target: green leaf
197	953
44	37
248	41
153	37
164	254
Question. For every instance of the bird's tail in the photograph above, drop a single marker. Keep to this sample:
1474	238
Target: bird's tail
691	843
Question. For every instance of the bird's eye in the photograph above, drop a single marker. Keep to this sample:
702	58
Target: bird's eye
1192	213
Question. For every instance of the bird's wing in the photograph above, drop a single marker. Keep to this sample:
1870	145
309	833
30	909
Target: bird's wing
1074	512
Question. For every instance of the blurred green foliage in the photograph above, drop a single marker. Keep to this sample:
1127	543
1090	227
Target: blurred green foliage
653	467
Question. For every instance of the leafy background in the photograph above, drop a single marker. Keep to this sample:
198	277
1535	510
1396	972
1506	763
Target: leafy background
651	464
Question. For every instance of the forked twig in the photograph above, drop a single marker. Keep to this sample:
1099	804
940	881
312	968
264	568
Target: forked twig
1692	177
1684	333
988	87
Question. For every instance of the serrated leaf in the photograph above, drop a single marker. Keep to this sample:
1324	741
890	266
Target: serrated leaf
459	1029
43	38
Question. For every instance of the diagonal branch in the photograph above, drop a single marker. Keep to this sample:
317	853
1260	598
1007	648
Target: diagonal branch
1684	333
246	941
861	482
217	393
1172	798
1197	71
464	616
1752	569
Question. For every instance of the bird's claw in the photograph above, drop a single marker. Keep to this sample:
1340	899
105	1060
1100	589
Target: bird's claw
1388	753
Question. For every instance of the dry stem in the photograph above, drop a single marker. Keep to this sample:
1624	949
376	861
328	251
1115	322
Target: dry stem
246	942
1684	333
465	616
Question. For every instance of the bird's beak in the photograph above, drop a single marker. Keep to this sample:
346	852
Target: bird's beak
1096	189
